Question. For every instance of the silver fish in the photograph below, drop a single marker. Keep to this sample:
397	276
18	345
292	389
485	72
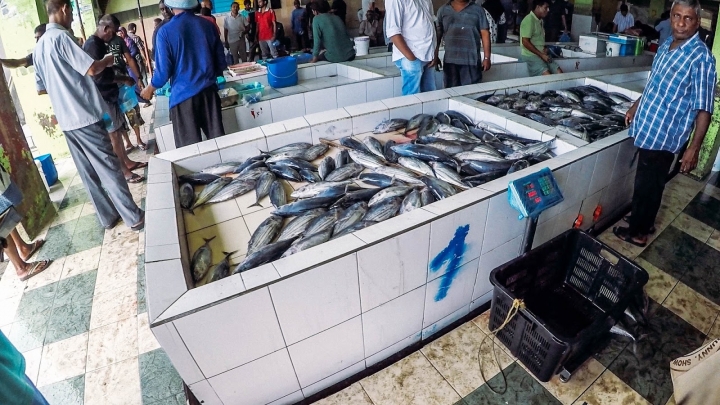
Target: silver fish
416	165
519	165
291	154
221	168
492	128
366	159
444	172
376	179
582	134
315	152
618	98
457	115
388	193
198	179
399	173
531	150
326	167
309	176
308	242
426	196
440	188
265	233
568	95
232	190
390	125
622	332
380	212
263	255
353	228
374	146
297	226
348	171
252	174
291	147
427	127
486	149
389	154
411	201
342	158
325	221
187	195
201	260
278	198
222	269
302	206
352	215
478	156
449	129
315	189
262	187
209	191
415	122
453	147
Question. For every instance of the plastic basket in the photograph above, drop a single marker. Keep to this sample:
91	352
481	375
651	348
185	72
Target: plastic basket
250	92
575	289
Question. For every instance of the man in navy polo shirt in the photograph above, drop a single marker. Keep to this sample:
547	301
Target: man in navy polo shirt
189	53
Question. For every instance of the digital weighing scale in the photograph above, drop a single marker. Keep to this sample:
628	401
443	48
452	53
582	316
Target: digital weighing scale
531	195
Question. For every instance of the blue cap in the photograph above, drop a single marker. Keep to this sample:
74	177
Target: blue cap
182	4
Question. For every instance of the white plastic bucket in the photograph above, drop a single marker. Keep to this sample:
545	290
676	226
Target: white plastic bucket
362	45
613	49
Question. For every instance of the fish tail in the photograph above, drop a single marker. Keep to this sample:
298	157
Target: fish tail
208	240
228	254
257	204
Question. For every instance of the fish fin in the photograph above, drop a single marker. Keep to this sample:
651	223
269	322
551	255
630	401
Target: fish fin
208	240
228	254
332	143
257	204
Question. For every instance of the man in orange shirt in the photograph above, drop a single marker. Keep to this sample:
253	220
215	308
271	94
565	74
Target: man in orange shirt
266	26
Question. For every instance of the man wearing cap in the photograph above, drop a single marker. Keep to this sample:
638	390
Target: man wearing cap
189	53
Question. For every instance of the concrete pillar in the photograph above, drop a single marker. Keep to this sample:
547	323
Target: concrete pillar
709	150
36	208
582	21
655	10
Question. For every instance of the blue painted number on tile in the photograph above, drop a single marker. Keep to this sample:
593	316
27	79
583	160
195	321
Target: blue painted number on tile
452	255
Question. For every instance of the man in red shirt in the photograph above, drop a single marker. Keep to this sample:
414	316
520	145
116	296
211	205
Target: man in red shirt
265	19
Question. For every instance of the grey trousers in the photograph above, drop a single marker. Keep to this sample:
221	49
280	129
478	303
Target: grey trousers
237	50
99	169
268	49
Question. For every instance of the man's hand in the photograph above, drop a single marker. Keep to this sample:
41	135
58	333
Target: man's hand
486	65
689	159
147	93
108	60
630	115
435	62
546	58
314	59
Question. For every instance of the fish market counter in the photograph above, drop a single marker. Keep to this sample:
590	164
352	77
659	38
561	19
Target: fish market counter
287	329
324	86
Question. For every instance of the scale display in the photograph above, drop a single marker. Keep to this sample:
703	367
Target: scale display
534	193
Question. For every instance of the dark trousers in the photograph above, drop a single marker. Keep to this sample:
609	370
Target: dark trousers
652	171
202	111
461	75
300	40
502	33
552	34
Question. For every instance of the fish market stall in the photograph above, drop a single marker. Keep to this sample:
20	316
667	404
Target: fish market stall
324	86
284	330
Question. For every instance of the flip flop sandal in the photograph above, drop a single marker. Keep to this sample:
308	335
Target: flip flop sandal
35	247
138	165
135	178
139	226
129	149
37	268
622	233
142	147
652	229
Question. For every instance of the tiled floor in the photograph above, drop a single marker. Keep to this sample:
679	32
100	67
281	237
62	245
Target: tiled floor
684	308
82	324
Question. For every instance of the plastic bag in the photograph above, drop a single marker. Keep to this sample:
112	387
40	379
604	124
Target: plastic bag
128	99
565	37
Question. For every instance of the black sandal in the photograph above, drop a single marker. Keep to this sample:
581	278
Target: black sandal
652	229
624	235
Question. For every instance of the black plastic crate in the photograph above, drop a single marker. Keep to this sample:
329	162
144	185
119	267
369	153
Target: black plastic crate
575	289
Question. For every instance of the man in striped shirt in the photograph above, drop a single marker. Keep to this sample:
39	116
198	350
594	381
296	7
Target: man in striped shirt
678	99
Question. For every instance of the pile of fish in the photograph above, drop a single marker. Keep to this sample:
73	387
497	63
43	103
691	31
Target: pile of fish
364	183
586	112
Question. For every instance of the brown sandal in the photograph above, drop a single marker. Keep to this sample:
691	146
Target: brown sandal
35	247
37	268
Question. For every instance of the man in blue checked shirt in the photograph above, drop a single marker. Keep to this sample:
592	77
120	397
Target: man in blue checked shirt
678	99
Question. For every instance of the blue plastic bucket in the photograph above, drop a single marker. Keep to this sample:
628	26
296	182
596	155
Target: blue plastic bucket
282	72
48	168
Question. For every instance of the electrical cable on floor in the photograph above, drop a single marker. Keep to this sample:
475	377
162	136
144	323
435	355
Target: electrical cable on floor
517	305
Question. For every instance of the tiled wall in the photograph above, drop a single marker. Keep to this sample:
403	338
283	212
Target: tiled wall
288	329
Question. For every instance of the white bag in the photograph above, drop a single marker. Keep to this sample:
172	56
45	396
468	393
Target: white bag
695	376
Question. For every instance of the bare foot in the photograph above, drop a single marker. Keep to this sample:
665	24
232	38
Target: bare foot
28	251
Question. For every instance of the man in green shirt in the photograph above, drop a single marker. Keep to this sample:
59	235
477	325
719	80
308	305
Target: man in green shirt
532	44
329	33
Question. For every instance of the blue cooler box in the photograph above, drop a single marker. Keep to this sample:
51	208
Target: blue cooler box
48	167
627	45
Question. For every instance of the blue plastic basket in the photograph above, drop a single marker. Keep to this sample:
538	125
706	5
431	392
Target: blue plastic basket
48	167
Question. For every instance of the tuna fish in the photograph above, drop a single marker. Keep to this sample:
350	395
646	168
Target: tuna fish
352	215
389	193
302	206
324	221
265	233
198	179
221	168
390	125
262	187
440	188
443	172
374	146
411	202
297	225
209	191
389	154
308	241
315	152
263	255
376	179
316	189
326	167
232	190
416	165
222	269
348	171
278	198
187	195
385	210
366	159
201	260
